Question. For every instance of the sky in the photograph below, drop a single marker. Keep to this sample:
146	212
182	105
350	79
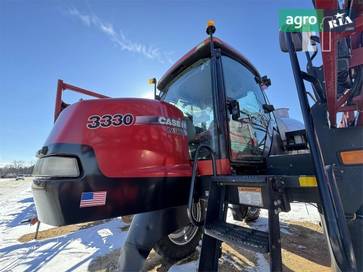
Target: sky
114	47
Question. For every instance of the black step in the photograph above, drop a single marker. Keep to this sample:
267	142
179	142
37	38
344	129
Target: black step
240	237
241	180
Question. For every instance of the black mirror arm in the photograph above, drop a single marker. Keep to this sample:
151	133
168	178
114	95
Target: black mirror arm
268	108
233	108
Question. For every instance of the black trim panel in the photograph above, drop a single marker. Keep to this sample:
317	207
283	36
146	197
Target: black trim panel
58	200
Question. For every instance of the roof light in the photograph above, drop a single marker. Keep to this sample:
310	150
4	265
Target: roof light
211	23
152	80
352	157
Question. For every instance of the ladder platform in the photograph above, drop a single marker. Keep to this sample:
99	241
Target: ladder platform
241	180
238	236
288	181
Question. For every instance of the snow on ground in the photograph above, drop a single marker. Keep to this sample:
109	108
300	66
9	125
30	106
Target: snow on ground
299	212
75	251
71	252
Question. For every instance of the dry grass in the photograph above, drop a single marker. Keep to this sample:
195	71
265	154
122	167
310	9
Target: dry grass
57	231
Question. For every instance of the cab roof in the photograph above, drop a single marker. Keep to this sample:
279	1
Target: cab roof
202	50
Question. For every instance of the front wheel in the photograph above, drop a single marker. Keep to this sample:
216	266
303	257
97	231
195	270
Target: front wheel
242	212
183	242
252	214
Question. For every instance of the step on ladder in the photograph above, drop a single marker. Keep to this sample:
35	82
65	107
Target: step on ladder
261	191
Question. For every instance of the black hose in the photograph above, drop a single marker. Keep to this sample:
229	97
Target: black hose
192	183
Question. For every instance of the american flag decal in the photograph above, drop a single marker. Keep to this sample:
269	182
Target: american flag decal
91	199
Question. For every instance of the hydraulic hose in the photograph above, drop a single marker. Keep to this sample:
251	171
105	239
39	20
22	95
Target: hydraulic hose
192	183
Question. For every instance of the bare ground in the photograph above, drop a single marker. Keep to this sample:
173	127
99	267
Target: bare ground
304	249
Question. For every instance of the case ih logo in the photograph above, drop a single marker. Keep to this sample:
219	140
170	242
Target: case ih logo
174	126
172	122
340	20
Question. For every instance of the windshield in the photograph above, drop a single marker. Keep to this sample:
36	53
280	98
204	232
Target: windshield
191	92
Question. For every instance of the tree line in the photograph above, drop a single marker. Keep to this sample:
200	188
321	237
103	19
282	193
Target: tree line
17	168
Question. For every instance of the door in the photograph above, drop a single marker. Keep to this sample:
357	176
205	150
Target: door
191	92
249	135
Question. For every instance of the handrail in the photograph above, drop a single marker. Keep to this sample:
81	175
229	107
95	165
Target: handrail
335	225
59	104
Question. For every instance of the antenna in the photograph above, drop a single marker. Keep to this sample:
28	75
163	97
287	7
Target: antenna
211	28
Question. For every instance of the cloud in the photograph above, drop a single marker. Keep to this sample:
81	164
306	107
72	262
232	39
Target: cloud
120	39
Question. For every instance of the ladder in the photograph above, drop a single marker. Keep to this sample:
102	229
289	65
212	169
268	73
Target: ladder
264	191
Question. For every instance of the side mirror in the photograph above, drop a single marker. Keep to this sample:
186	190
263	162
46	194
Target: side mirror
153	81
268	108
234	110
296	40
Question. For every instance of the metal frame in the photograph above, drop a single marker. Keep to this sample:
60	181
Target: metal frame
329	58
61	87
335	225
217	230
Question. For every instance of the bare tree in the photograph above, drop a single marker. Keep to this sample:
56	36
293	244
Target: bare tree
17	167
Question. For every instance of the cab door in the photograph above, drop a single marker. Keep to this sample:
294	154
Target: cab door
249	137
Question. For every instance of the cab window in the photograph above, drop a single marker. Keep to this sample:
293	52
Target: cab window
248	133
191	92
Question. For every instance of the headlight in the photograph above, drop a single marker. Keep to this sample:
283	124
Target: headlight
54	166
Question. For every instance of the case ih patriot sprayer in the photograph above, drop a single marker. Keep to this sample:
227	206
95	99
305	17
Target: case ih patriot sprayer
210	141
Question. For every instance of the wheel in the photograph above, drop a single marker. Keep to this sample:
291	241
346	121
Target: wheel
252	214
241	212
183	242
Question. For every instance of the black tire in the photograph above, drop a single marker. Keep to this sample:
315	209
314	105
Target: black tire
252	214
241	212
183	242
172	252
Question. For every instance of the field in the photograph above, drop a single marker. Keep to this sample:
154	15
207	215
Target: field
95	246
